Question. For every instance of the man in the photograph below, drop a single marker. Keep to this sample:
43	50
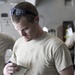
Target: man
38	51
6	42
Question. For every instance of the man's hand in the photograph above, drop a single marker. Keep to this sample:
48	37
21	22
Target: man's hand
10	68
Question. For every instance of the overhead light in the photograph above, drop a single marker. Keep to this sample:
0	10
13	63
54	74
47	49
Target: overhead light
45	28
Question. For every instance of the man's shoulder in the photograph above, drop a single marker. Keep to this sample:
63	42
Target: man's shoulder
18	43
54	40
19	40
54	43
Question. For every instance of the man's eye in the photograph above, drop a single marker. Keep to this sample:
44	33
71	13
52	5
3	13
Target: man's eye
25	29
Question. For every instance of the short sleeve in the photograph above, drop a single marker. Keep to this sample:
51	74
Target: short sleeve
62	58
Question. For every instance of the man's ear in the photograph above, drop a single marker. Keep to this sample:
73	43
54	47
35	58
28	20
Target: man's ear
36	19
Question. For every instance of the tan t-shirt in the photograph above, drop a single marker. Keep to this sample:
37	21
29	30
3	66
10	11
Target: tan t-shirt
44	56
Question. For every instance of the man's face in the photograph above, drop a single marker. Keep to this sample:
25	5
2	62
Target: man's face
26	29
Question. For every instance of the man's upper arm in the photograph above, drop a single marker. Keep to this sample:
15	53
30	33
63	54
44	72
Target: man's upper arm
67	71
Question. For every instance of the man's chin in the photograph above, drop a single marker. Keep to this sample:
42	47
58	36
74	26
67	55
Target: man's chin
26	39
